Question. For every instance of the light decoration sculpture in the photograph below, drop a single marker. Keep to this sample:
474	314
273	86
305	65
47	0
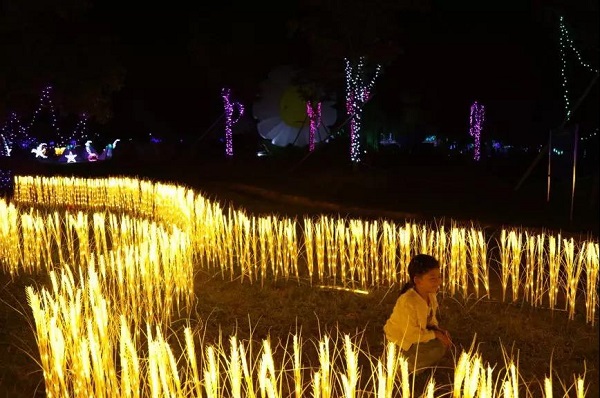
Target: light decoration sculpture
230	108
314	115
5	146
477	118
40	151
358	92
46	102
566	43
71	157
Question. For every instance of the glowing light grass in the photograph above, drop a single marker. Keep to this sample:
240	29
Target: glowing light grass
133	274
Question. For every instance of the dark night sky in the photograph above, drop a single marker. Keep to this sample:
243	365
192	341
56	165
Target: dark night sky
503	54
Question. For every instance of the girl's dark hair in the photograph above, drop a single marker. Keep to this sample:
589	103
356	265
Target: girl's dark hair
419	265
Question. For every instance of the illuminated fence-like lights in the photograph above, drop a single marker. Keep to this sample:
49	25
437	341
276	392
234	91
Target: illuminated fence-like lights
116	276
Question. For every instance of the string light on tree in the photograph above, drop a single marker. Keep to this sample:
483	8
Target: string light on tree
566	43
230	108
79	133
46	102
358	91
314	115
14	134
477	118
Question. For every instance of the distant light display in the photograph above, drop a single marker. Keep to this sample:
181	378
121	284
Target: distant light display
358	92
80	132
314	115
566	43
477	118
230	108
6	179
46	102
14	134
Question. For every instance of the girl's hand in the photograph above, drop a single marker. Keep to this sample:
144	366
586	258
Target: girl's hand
444	337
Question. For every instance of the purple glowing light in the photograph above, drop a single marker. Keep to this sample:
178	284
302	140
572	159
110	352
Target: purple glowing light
230	107
477	118
314	116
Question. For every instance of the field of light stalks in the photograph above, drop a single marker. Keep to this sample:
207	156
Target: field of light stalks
153	290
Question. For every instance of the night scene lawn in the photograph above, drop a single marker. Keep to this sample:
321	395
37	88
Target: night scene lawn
423	190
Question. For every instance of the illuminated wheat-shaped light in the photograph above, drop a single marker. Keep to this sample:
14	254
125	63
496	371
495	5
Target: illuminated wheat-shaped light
516	252
386	372
331	251
324	372
350	378
297	365
357	233
573	267
351	250
267	377
554	255
340	233
404	247
320	249
591	282
130	363
234	368
374	254
441	253
309	248
540	287
457	276
580	387
211	373
485	268
530	268
247	369
10	242
388	253
504	262
474	257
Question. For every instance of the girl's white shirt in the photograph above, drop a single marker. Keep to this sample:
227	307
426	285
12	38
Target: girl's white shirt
407	325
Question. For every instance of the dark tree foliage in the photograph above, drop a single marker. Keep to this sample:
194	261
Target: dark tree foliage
333	30
61	44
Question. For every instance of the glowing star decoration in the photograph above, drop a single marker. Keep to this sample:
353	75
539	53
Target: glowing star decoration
477	118
40	151
282	115
358	92
230	108
314	115
71	157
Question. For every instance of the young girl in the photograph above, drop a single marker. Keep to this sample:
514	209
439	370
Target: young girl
413	325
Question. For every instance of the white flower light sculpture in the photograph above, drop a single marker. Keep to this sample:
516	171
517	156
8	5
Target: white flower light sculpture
282	112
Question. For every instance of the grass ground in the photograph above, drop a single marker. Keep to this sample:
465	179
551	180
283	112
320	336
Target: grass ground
543	341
